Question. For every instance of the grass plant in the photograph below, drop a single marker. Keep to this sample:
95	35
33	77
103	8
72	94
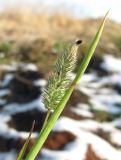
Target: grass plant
60	88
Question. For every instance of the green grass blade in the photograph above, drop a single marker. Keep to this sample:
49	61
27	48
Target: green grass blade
91	50
23	149
52	120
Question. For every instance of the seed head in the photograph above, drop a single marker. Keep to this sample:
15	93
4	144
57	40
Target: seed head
59	80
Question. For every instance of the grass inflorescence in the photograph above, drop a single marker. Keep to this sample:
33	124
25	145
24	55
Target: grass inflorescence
59	80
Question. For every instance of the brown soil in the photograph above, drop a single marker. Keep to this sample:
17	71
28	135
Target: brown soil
91	155
57	140
21	87
76	98
6	144
106	136
68	113
103	134
23	121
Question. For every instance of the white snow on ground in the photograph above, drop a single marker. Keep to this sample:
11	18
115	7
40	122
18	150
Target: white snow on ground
71	151
3	119
116	138
2	102
28	67
8	67
83	139
83	106
117	122
8	77
41	82
82	112
88	78
4	92
14	66
37	103
8	155
100	98
92	85
111	64
8	132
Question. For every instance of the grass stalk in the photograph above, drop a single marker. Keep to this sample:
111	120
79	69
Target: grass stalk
23	149
46	119
53	118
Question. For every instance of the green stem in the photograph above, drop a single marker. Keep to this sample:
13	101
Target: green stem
46	119
23	150
52	120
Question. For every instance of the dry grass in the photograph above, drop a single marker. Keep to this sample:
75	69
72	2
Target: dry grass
33	36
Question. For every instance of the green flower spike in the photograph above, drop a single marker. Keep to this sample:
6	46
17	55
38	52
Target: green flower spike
59	80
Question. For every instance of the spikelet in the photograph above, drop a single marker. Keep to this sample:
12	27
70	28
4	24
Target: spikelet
59	80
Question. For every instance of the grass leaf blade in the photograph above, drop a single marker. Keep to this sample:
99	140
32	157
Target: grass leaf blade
23	149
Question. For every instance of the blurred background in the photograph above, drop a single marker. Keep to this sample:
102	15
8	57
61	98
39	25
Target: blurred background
32	33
